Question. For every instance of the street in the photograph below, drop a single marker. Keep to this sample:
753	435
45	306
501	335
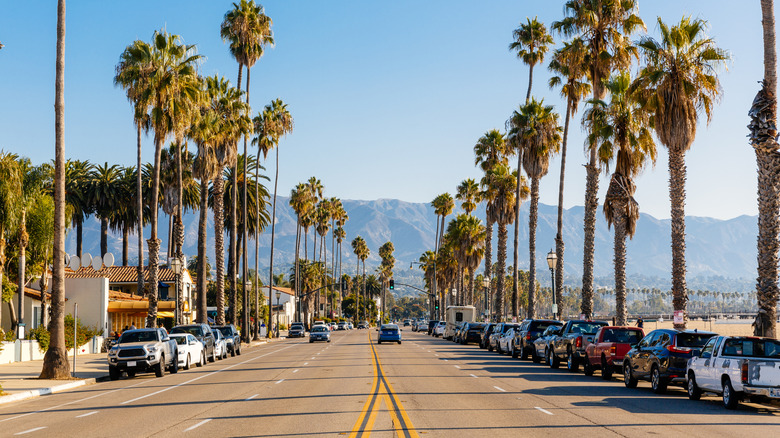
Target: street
353	387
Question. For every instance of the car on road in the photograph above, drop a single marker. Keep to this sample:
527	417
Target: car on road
220	345
662	358
527	333
203	333
431	326
342	325
362	325
319	333
350	326
296	330
143	350
504	344
736	367
609	346
190	350
407	322
232	338
570	344
438	331
389	333
539	351
472	332
499	331
484	338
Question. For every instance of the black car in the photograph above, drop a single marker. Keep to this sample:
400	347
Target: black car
484	338
431	325
662	357
499	331
297	330
471	332
529	331
203	333
232	338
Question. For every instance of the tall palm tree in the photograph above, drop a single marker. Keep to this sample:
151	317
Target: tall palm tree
298	202
105	191
10	193
630	141
763	134
490	150
386	269
569	72
531	42
501	185
76	196
55	361
604	27
678	80
469	195
361	251
124	218
536	135
443	205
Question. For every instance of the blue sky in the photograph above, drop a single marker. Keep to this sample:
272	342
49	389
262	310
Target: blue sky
388	98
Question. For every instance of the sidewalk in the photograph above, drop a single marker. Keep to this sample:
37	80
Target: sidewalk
20	381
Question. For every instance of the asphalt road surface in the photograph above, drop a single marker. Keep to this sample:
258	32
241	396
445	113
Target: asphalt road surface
352	387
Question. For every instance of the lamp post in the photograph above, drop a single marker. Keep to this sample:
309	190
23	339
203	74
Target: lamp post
176	267
252	327
551	259
486	302
278	295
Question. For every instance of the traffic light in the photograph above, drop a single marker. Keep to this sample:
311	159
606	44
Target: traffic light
343	283
437	304
392	284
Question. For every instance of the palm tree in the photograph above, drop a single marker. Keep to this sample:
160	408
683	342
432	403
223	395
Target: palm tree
490	150
763	134
469	243
340	235
628	131
443	206
105	191
76	196
677	81
500	185
55	361
299	204
536	135
360	249
124	215
604	27
386	268
468	194
10	193
569	68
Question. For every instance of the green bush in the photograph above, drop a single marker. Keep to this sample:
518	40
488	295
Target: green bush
84	333
10	336
41	335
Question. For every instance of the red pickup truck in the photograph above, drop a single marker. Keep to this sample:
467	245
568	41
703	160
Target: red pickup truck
609	346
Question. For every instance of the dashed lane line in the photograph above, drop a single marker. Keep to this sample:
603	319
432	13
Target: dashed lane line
543	410
31	430
500	389
279	381
473	376
251	397
198	425
87	414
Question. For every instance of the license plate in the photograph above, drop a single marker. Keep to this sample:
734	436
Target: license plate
617	362
774	392
131	363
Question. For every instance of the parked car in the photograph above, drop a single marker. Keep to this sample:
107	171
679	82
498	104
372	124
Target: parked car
203	333
296	330
735	367
232	338
220	345
484	338
541	343
457	332
143	350
662	357
609	346
499	331
527	333
319	333
407	322
389	333
438	331
350	326
431	325
472	332
505	341
570	344
362	325
190	350
341	325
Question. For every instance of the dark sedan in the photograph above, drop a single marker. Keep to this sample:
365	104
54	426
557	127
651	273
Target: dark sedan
485	336
471	332
529	331
232	338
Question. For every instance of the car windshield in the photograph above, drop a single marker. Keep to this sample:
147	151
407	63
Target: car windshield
389	327
144	336
476	326
193	330
752	347
622	336
507	327
541	326
319	328
693	340
226	331
181	340
588	328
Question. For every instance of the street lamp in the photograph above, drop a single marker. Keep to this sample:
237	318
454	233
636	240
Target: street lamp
176	266
486	304
278	295
551	259
252	327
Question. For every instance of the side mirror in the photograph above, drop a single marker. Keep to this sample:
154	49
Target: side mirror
696	352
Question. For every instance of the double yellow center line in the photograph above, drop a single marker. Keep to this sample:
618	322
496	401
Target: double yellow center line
381	390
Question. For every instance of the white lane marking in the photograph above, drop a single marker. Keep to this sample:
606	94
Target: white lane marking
295	371
473	376
500	389
543	410
87	414
31	430
313	358
305	363
205	375
279	381
251	397
457	366
197	425
445	360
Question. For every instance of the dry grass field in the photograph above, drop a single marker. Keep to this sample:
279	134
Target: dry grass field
728	327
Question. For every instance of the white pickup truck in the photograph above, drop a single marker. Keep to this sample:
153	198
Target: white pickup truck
736	367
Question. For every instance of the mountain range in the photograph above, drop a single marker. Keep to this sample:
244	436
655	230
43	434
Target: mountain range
723	248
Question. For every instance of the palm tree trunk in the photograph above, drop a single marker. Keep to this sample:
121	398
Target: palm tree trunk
436	236
103	237
79	236
559	245
516	253
619	222
219	246
255	282
202	251
500	269
125	242
178	232
441	230
154	242
532	218
2	268
55	361
140	212
488	260
273	233
591	205
530	82
245	320
233	262
23	241
677	175
169	248
297	284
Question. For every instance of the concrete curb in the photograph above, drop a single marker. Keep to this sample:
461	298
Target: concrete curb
24	395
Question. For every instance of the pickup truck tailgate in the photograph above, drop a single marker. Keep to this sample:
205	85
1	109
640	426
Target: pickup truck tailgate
763	372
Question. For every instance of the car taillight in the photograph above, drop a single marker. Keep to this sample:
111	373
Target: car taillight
744	372
578	343
681	350
613	350
528	336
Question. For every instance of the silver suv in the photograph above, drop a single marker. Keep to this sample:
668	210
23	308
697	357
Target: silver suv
296	330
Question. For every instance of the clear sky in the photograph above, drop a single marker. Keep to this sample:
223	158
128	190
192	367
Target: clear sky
388	97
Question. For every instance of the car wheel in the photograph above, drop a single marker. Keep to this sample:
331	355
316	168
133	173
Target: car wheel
310	341
213	357
187	362
534	357
490	347
175	365
159	370
238	352
730	397
554	361
114	373
131	373
399	342
233	351
523	353
202	360
628	377
513	352
571	363
587	368
657	382
606	370
694	392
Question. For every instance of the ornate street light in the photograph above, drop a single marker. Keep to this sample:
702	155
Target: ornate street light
551	259
278	295
176	266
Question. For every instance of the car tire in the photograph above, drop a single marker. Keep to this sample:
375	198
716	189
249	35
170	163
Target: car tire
490	347
571	363
233	351
657	382
606	370
113	372
523	353
513	352
187	362
628	376
238	351
213	357
159	370
131	373
552	360
202	359
587	368
730	397
534	357
694	392
175	364
310	340
399	342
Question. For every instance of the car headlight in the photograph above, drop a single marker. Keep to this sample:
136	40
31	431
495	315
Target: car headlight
113	351
151	349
